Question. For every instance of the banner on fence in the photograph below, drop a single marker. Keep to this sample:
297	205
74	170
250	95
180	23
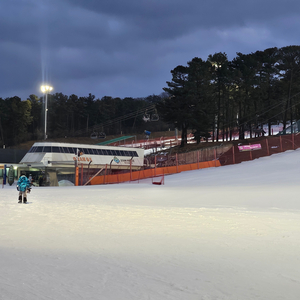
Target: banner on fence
250	147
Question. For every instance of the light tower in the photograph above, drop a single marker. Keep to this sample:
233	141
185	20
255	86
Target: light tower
45	90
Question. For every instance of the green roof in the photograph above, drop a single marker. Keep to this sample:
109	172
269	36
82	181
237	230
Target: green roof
122	138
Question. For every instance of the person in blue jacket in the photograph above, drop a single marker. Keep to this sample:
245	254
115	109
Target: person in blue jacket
23	186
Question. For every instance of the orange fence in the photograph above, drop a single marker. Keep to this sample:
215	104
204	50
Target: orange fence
150	173
268	146
224	154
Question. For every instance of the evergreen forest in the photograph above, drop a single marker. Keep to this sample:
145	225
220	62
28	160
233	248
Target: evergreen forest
212	98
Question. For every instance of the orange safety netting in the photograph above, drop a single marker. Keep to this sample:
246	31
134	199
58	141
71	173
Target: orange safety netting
149	173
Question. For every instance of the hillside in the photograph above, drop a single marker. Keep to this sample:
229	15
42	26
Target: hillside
155	135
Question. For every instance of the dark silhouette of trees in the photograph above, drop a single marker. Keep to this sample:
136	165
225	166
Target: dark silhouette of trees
73	116
213	97
177	107
242	94
15	118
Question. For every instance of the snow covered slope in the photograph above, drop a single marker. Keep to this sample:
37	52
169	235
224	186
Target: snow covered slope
222	233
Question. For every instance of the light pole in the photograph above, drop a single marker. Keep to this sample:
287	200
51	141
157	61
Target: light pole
46	89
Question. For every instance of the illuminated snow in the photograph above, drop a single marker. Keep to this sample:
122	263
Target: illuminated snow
222	233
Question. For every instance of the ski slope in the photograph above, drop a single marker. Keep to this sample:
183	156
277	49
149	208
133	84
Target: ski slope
213	234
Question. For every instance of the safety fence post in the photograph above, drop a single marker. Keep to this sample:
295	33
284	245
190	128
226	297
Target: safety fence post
197	159
105	174
3	168
81	181
131	170
280	139
4	176
176	163
215	155
267	145
233	155
250	153
76	176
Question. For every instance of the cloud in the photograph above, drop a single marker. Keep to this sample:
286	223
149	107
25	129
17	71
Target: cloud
128	48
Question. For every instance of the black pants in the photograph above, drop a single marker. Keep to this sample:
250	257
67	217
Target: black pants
23	195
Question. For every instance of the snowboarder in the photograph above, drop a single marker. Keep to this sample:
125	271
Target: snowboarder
23	186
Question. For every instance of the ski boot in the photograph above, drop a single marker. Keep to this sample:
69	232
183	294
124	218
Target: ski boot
25	200
20	199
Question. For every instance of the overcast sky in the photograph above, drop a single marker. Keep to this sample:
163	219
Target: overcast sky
127	48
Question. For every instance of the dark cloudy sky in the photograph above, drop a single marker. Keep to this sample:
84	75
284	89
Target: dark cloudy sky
127	48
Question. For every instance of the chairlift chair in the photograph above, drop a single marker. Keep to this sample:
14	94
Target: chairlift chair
146	117
94	135
154	117
102	135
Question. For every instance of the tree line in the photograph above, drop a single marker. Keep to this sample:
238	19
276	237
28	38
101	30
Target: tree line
213	97
73	116
217	96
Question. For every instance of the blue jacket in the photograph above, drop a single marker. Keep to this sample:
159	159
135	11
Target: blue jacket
23	183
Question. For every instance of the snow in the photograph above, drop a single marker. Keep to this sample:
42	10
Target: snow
220	233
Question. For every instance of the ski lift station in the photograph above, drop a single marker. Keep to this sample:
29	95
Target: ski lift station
57	161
